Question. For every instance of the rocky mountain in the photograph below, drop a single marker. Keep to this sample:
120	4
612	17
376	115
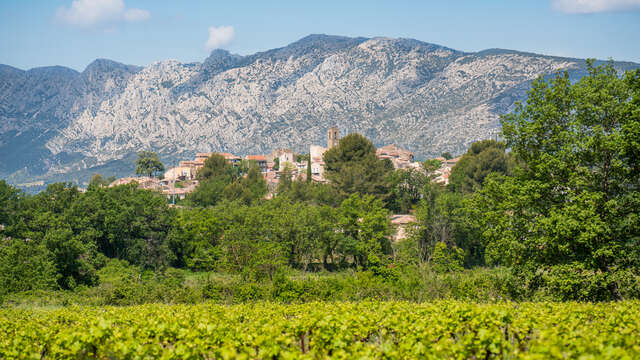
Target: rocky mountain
59	124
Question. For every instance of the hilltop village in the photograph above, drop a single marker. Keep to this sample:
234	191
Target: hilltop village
182	179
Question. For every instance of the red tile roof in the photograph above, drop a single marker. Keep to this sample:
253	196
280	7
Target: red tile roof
256	157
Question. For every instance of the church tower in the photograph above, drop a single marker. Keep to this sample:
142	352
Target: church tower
332	137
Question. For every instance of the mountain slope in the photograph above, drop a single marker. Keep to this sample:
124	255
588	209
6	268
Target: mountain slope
58	124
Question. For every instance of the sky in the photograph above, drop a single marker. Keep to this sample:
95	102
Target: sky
73	33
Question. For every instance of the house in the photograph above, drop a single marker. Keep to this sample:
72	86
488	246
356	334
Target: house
232	159
445	169
401	225
400	158
317	161
180	173
261	160
283	155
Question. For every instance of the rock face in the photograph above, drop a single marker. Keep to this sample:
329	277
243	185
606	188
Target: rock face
56	123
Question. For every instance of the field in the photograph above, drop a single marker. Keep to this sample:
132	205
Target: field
369	329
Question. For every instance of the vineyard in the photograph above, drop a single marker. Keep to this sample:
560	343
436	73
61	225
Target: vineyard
375	330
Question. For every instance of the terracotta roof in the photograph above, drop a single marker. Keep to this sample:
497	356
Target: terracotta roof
454	160
228	156
256	157
203	155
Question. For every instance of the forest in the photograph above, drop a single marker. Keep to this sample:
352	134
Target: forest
550	212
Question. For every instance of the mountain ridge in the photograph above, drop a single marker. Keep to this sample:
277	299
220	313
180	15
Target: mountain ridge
57	123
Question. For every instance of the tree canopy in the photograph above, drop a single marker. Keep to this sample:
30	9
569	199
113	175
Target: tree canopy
568	219
353	167
149	164
482	158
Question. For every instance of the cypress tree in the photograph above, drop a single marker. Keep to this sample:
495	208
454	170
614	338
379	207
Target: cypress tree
309	168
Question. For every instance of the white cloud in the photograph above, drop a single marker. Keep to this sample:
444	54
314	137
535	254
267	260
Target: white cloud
93	13
594	6
219	37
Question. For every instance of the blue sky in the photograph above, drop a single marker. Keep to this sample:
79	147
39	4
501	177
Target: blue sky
75	32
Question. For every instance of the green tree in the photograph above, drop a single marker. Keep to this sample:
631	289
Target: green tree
447	155
284	185
364	225
571	209
9	199
406	186
353	167
216	167
99	180
25	265
216	177
309	174
482	158
447	259
255	183
148	164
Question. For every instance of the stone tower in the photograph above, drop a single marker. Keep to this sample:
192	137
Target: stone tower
332	137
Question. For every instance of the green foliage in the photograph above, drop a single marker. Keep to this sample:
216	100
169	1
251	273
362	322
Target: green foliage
284	184
571	208
216	167
249	188
9	198
482	158
220	180
406	187
447	155
208	192
309	174
447	259
194	239
25	265
353	167
99	180
320	330
313	193
365	228
149	164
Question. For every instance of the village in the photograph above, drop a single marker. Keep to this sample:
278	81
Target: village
181	180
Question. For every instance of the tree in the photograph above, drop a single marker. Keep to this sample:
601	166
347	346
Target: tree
99	180
284	185
148	164
309	174
482	158
9	198
365	228
406	186
216	166
353	167
25	265
447	155
216	177
568	222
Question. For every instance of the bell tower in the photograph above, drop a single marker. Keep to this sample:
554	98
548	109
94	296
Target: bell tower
332	137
